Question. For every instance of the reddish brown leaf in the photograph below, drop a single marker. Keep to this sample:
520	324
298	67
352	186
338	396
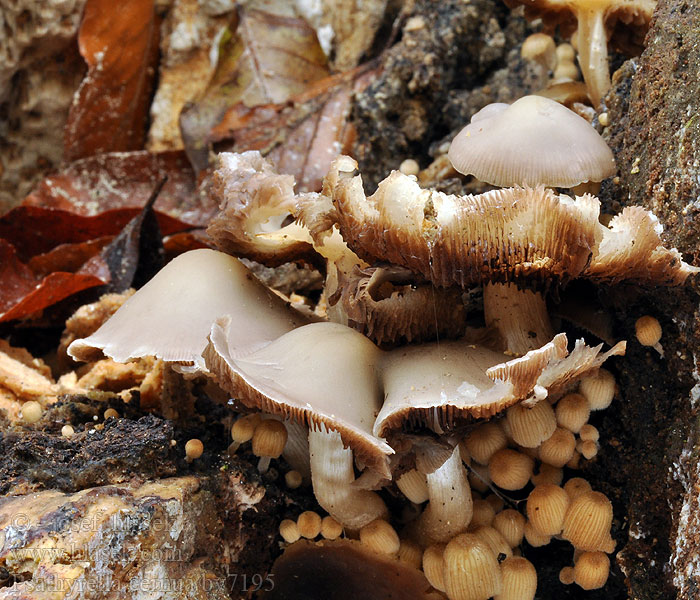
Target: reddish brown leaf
35	230
67	257
303	136
23	293
118	40
267	59
125	180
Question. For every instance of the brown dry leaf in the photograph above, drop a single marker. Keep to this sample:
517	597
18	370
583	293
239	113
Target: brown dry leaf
267	60
24	294
302	136
94	185
118	40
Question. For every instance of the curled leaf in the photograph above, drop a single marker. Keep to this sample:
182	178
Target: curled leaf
119	43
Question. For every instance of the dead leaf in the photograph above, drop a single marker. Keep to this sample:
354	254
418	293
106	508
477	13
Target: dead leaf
119	42
34	230
125	180
67	257
266	60
23	294
300	137
136	254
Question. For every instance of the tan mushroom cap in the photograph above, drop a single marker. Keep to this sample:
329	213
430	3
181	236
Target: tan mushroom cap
255	203
522	235
344	570
534	141
172	315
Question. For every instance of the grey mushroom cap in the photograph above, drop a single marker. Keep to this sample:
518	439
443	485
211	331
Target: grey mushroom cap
171	316
533	141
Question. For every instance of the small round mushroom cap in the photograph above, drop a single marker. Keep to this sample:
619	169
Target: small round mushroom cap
572	412
510	469
587	522
381	537
546	507
558	449
511	524
31	411
591	570
484	440
519	579
533	141
309	524
434	565
648	330
471	569
599	389
194	449
531	426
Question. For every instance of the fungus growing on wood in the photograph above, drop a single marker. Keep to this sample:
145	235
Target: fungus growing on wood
171	316
546	507
519	579
594	22
587	522
471	569
591	570
256	204
344	570
534	141
648	332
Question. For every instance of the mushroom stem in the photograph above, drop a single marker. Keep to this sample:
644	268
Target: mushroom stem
520	316
332	476
449	510
593	53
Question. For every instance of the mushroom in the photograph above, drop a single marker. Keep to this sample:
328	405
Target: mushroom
255	204
171	316
534	141
293	377
343	570
594	22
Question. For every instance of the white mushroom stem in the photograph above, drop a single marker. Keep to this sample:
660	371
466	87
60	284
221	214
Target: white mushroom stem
593	53
332	475
520	316
449	509
296	452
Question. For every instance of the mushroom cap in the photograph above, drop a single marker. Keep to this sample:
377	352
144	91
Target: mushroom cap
255	201
533	141
344	570
324	374
171	316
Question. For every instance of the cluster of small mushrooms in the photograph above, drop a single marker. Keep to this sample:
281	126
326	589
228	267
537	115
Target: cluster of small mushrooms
395	385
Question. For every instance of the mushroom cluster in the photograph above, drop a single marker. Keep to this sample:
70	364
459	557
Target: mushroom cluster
368	384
